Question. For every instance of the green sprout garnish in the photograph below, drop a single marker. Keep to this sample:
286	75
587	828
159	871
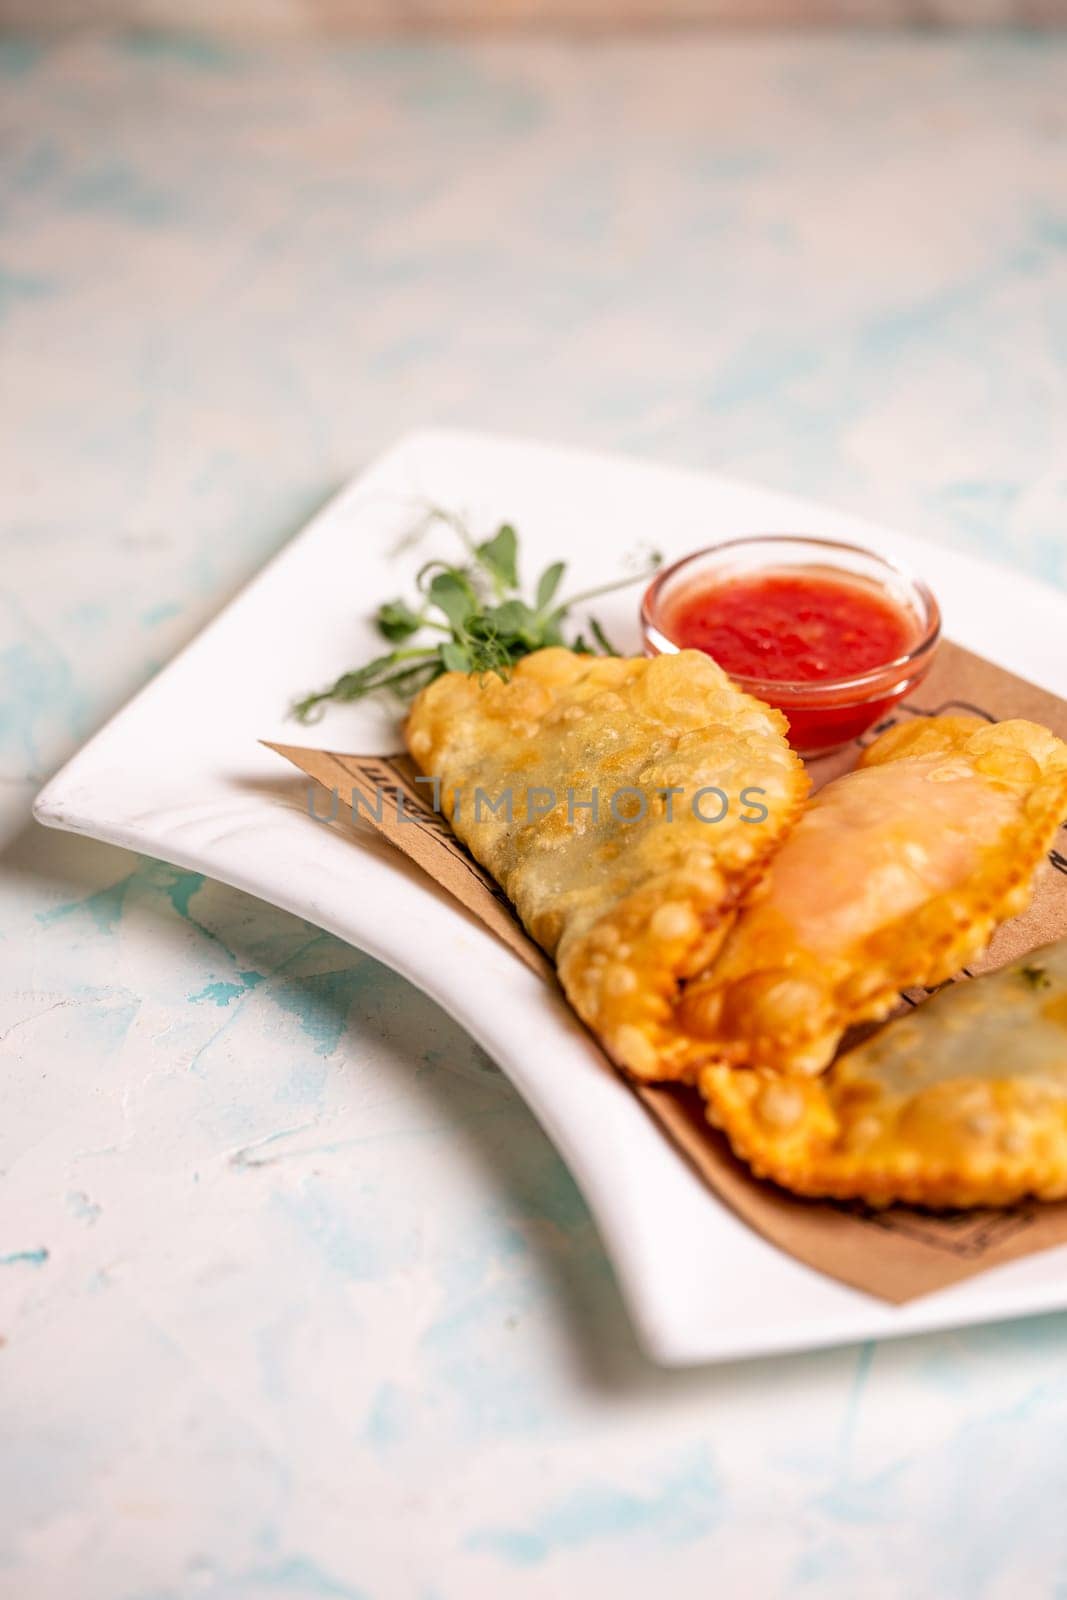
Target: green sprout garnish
477	609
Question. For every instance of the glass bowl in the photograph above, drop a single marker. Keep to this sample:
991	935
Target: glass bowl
823	713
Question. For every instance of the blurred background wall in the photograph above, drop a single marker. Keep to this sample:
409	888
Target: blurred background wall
313	16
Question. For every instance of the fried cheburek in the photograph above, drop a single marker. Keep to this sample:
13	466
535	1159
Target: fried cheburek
897	874
629	905
963	1102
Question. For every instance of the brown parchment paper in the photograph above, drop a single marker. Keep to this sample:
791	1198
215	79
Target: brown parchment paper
895	1254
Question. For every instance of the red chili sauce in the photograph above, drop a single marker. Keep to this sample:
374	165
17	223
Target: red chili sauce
798	628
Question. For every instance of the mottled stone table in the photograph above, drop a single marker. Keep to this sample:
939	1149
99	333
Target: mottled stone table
378	1352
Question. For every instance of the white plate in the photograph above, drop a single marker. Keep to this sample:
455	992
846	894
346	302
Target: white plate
179	774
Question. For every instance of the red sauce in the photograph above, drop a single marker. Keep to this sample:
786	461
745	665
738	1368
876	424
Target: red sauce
792	627
798	627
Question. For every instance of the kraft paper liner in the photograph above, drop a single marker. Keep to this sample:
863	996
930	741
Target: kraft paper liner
897	1254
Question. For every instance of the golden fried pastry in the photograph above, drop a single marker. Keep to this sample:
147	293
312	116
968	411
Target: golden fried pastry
897	874
963	1102
637	804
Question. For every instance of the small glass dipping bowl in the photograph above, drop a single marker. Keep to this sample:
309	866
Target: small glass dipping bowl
823	713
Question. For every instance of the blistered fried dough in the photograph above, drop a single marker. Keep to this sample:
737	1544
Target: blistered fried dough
629	908
963	1102
896	875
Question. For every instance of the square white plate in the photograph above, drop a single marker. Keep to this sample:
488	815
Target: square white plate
179	774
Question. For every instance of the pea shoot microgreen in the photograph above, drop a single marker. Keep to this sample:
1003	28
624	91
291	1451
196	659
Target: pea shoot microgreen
478	619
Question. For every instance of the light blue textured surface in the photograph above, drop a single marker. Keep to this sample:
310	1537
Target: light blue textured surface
295	1300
